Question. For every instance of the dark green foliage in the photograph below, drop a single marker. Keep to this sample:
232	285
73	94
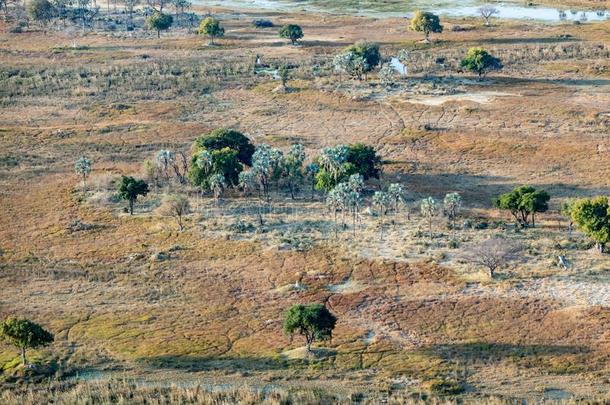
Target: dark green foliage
225	162
159	22
24	334
211	28
365	160
262	23
41	10
292	32
523	202
130	188
592	216
313	321
227	138
480	61
327	181
367	50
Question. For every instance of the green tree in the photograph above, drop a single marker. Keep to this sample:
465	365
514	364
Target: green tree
24	334
226	163
130	189
429	208
292	32
452	204
227	138
523	202
211	28
365	160
592	216
369	51
479	61
83	168
427	23
160	22
313	322
42	11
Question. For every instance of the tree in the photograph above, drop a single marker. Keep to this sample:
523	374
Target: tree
176	206
369	51
313	322
165	159
130	6
41	10
159	22
523	202
452	204
247	181
226	164
428	208
479	61
266	165
332	162
382	201
427	23
83	168
217	184
25	334
227	138
351	64
592	216
130	189
365	160
292	170
292	32
283	73
397	194
492	254
335	201
387	75
211	28
181	5
487	11
311	171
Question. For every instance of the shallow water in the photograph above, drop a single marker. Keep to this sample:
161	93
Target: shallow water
463	8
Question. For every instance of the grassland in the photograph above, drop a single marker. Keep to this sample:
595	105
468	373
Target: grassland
131	298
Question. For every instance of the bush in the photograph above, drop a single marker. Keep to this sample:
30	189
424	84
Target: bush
262	23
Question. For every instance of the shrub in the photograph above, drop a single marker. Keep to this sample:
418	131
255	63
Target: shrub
480	61
262	23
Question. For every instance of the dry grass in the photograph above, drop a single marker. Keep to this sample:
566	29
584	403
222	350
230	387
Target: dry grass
411	313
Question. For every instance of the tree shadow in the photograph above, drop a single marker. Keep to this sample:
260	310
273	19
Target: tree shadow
205	363
490	351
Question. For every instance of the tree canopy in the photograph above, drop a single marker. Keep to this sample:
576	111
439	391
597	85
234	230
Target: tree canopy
130	188
592	216
479	61
227	138
42	11
523	202
159	21
211	27
426	22
369	51
292	32
24	334
313	321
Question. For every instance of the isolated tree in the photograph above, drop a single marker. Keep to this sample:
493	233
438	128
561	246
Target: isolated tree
176	206
427	23
283	73
479	61
313	322
335	201
211	28
397	194
41	11
83	167
292	32
382	201
24	334
523	202
492	254
130	189
487	11
159	22
592	216
452	204
429	208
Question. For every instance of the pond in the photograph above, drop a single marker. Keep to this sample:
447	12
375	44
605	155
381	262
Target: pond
463	8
